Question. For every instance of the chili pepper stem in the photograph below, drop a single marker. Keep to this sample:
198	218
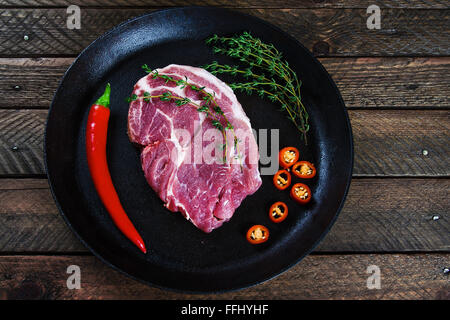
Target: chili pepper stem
104	99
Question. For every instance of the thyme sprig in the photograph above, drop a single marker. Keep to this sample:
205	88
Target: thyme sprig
209	106
267	74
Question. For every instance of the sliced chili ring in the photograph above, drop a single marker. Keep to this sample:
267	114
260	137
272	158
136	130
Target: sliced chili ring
282	179
257	234
288	156
304	170
301	193
278	212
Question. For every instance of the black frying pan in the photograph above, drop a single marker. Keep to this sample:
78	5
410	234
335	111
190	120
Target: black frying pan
180	256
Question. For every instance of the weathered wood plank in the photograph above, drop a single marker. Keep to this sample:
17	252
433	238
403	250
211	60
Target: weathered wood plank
364	82
340	32
22	141
391	82
387	142
389	215
380	215
403	277
30	82
400	142
432	4
30	221
23	184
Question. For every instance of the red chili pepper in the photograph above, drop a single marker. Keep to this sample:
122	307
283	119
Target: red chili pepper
304	170
96	135
278	212
288	156
282	179
301	193
257	234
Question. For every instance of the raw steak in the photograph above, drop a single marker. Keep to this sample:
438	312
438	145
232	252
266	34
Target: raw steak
180	155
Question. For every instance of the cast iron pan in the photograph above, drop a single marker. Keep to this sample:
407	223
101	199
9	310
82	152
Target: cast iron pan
180	256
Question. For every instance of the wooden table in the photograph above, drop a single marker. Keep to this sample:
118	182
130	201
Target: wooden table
395	82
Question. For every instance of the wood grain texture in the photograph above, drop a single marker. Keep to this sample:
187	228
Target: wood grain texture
363	82
315	277
30	220
22	141
387	142
379	215
30	82
325	32
431	4
390	215
393	142
391	82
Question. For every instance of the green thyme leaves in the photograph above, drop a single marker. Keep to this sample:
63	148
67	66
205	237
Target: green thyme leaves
266	73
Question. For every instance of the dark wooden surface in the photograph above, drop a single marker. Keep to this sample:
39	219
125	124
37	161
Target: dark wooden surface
287	4
395	83
372	219
405	276
381	82
335	32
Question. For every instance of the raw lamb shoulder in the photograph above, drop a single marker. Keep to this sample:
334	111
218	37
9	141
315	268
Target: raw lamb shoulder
183	155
